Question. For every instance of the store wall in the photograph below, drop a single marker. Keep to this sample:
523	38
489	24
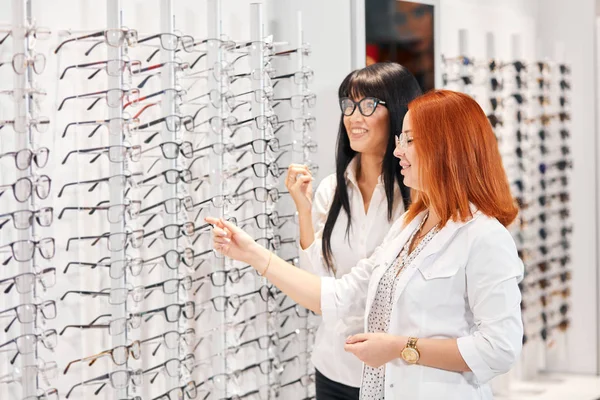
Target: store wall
568	33
326	26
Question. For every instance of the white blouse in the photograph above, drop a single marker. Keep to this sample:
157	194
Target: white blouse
367	232
463	285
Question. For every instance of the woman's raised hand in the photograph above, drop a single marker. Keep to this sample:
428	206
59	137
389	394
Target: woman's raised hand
231	241
299	183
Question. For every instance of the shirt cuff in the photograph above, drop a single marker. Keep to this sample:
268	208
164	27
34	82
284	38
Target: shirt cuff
328	300
468	351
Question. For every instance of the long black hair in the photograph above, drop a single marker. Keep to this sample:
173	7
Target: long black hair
395	85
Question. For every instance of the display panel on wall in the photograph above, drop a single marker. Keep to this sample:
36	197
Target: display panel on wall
402	32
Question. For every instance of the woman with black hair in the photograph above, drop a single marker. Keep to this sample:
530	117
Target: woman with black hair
354	208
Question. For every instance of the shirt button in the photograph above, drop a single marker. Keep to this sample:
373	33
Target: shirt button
391	385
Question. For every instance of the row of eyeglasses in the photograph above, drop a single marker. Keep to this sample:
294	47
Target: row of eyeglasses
185	257
27	277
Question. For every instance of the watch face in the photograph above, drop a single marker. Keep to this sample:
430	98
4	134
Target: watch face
410	355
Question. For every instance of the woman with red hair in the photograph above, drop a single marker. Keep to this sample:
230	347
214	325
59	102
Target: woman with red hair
440	296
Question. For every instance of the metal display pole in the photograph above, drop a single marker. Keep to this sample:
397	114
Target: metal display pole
217	184
169	191
24	107
257	65
116	191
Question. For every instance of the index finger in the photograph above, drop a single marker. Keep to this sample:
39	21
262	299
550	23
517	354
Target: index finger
214	221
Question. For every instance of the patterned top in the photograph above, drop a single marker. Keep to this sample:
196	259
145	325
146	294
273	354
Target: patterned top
379	317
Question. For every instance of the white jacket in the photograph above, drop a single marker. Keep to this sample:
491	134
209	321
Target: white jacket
463	285
367	232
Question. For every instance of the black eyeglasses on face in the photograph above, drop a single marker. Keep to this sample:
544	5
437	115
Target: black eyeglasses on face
366	106
24	157
23	219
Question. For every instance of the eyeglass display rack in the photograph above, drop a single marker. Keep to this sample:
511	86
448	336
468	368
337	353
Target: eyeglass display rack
25	245
527	103
143	151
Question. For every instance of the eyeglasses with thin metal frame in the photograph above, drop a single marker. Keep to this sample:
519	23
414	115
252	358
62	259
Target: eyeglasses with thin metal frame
301	124
21	61
179	67
115	180
172	150
115	241
120	379
172	339
24	157
112	37
23	250
366	106
171	258
172	367
171	41
305	75
115	213
26	313
116	154
172	176
26	344
25	282
173	123
176	94
173	231
23	219
119	355
178	393
116	126
403	139
298	101
139	293
23	188
44	370
44	394
31	33
114	97
112	67
22	124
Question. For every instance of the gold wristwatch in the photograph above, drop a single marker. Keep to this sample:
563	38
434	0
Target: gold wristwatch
410	353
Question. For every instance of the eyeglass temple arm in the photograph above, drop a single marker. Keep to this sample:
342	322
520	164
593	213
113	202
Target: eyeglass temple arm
91	150
81	238
84	293
82	66
96	34
99	123
87	264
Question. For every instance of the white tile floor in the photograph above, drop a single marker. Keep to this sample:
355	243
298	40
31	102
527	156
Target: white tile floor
556	387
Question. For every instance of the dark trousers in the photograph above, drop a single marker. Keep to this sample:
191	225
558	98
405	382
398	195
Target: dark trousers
331	390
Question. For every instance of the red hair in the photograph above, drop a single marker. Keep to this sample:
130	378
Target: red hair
459	161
